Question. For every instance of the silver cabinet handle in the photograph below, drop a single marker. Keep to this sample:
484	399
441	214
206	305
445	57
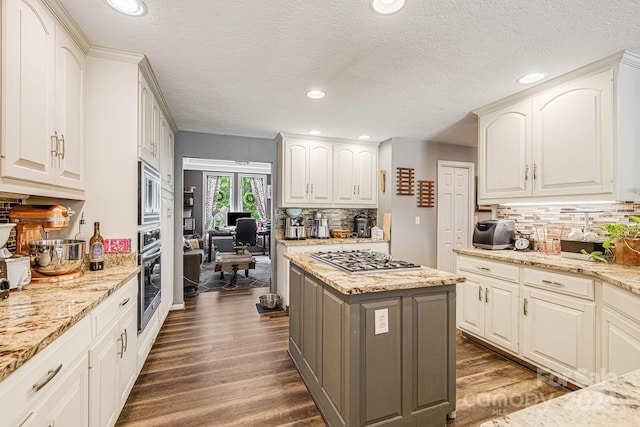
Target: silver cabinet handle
483	268
549	282
50	374
526	172
312	189
126	340
535	173
121	352
480	293
526	305
486	294
307	188
354	190
358	190
62	150
124	302
54	144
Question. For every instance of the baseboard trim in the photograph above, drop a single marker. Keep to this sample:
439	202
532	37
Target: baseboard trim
177	307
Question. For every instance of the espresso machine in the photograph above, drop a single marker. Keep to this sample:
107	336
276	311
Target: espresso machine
294	225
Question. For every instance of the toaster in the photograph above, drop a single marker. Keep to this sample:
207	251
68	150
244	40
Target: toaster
494	234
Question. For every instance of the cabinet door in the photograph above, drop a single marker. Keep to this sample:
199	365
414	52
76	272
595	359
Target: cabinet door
67	404
103	378
69	112
312	324
573	137
128	363
504	153
295	306
502	313
366	166
333	360
166	155
620	344
344	178
28	62
295	172
559	334
145	104
320	172
470	305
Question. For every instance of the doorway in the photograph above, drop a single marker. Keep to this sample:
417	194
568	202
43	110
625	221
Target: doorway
456	196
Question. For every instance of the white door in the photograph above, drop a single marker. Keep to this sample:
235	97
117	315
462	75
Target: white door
501	313
455	210
366	180
296	172
344	179
320	172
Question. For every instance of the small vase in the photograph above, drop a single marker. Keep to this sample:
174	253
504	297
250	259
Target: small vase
627	251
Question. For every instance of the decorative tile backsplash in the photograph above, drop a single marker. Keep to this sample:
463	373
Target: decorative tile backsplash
338	218
527	217
5	207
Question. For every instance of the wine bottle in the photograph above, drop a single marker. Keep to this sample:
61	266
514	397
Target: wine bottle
96	249
81	235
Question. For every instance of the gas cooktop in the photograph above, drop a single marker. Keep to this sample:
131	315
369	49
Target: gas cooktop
362	262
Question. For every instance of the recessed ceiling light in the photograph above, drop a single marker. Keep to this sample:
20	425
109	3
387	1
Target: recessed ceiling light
315	132
364	137
386	7
128	7
531	78
316	94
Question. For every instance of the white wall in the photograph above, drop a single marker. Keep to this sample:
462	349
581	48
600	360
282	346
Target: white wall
409	241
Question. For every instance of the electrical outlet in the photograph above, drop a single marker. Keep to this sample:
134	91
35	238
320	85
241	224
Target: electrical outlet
382	321
417	220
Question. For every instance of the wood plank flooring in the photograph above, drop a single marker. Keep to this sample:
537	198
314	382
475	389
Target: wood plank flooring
220	363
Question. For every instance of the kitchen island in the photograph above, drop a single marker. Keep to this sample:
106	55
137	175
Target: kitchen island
376	348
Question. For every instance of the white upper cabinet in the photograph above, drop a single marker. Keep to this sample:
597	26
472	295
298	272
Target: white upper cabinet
326	172
44	74
307	172
166	154
149	127
564	140
354	180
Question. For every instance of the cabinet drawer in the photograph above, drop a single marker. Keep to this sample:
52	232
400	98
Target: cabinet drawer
47	368
499	270
561	283
621	300
106	313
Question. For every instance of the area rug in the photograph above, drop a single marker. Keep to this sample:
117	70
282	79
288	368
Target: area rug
259	277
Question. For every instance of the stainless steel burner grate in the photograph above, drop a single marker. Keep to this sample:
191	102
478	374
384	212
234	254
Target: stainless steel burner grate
360	262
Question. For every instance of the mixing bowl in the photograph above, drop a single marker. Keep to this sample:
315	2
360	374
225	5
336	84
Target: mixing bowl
56	257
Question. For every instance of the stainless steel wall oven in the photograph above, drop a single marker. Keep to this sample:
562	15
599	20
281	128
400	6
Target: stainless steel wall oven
149	293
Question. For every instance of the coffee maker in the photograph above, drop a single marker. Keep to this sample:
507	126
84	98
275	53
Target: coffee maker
362	225
294	225
320	227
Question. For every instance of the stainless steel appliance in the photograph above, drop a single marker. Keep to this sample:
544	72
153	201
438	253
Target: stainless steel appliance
149	194
294	228
4	282
149	292
362	225
320	227
362	262
494	234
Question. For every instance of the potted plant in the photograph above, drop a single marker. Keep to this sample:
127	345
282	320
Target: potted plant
625	238
240	248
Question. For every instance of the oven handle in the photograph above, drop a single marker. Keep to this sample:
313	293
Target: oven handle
147	255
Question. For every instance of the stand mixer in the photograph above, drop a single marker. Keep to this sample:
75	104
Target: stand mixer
51	260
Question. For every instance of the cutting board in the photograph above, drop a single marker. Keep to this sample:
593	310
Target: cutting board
386	226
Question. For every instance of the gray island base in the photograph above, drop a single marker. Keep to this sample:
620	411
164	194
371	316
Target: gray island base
374	349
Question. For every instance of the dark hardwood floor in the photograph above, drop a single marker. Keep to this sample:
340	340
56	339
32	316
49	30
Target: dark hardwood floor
220	363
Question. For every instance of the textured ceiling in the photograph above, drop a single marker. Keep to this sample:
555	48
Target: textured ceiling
242	67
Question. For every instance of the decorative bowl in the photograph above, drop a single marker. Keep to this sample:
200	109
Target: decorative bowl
293	212
339	233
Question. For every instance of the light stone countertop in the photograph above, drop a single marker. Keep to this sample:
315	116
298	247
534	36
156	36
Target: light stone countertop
625	277
330	241
350	284
615	402
32	318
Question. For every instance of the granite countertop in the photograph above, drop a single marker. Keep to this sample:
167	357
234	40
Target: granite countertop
626	277
32	318
350	284
330	241
610	403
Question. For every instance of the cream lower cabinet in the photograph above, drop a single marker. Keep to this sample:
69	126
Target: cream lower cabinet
69	401
620	332
487	306
559	324
113	357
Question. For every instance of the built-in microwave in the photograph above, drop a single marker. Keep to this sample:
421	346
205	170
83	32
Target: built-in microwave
149	194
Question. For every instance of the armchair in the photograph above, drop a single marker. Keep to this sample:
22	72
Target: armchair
192	263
